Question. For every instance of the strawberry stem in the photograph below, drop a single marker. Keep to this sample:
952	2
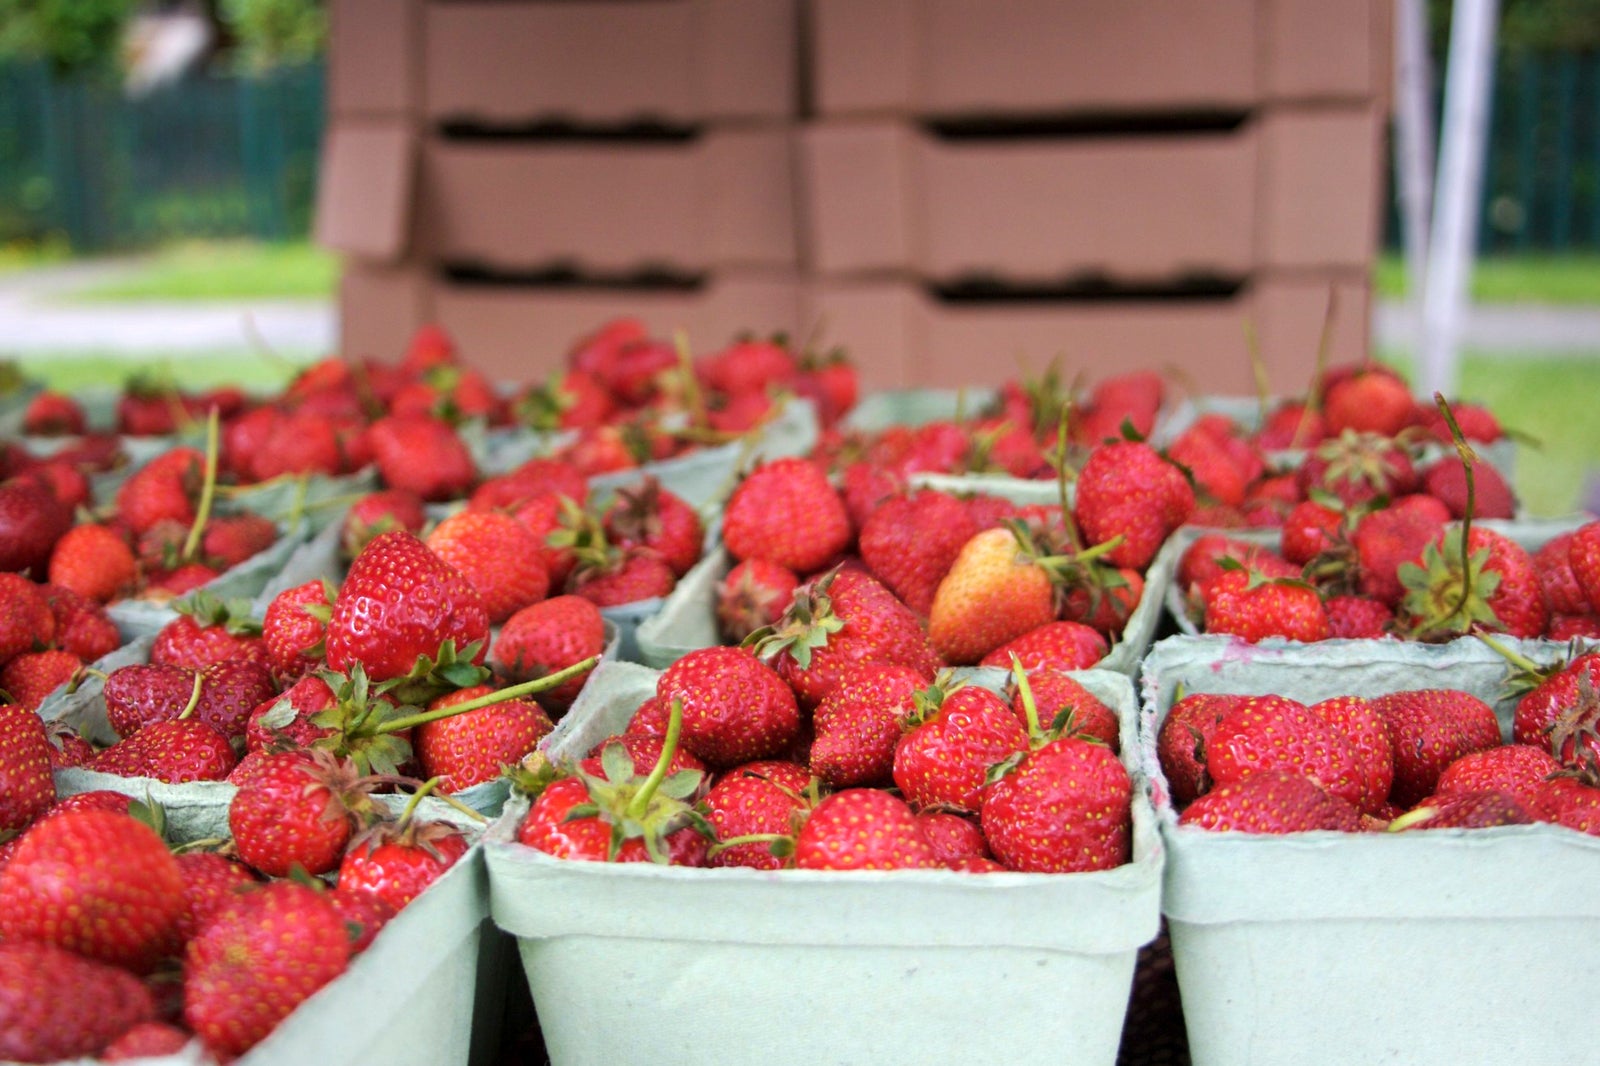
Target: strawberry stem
489	699
691	386
1258	370
194	695
1029	707
640	802
208	490
1063	435
749	838
416	797
1468	459
1521	662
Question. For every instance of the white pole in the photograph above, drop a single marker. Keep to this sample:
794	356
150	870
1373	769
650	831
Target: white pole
1413	127
1457	191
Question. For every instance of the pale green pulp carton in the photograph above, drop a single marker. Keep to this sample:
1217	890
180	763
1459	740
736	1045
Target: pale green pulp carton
1449	946
880	410
427	992
633	963
687	619
1530	533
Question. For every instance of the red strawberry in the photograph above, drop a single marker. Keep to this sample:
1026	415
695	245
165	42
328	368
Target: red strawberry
1566	627
207	631
305	699
1273	801
1373	401
953	739
168	584
401	602
422	455
1242	603
32	676
1477	423
759	798
294	627
548	637
1271	732
1388	538
53	414
165	489
294	809
1185	738
1429	729
1053	646
1519	770
32	520
862	829
1447	480
26	787
1056	695
1583	554
380	512
867	486
1310	529
1573	802
363	914
1362	729
651	517
1478	809
176	751
302	442
141	694
1126	489
1503	593
838	621
82	626
1205	558
755	593
1553	564
97	883
397	861
787	512
94	562
954	839
475	746
1554	695
56	1005
26	622
625	577
210	881
1291	425
1357	617
146	1040
735	708
1064	808
232	539
644	749
1357	468
257	960
1216	475
497	555
910	542
859	724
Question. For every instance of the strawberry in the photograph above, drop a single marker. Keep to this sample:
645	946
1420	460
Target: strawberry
99	799
1309	530
26	622
302	442
1064	808
1052	646
1357	468
295	626
1428	730
32	520
26	787
139	695
400	603
1361	727
1184	739
568	400
56	1005
380	512
954	838
650	718
1477	423
1518	770
397	861
258	959
1387	539
547	637
910	542
994	592
296	808
1056	695
207	631
1477	809
164	489
1583	554
176	751
650	517
754	594
1553	564
422	455
1273	801
475	746
1217	477
953	738
1447	480
32	676
1553	696
146	1040
364	915
94	562
1565	627
97	883
787	512
538	476
1357	617
67	748
845	618
546	514
232	539
1271	732
497	555
756	799
868	485
645	749
304	702
1243	603
735	707
862	829
859	724
1573	802
209	882
1502	591
53	414
1369	400
1127	489
165	585
623	577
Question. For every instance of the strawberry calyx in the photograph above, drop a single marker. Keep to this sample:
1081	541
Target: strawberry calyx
1258	579
431	677
806	626
208	609
526	688
1578	727
649	808
927	703
1065	724
1524	674
637	513
1360	459
406	831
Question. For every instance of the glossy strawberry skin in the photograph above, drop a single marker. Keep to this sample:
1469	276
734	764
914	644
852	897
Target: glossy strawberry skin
498	556
282	816
26	787
400	601
290	633
26	622
786	511
1066	808
1273	609
757	798
910	543
422	455
548	637
858	724
475	746
176	751
550	829
652	518
1185	739
1538	710
735	708
59	1006
1056	693
1429	729
863	829
1053	646
1362	729
755	593
1583	556
1271	732
1273	801
1518	770
877	627
397	872
209	882
139	695
944	761
32	676
1127	489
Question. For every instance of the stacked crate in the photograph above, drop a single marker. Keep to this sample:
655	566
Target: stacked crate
521	171
1116	182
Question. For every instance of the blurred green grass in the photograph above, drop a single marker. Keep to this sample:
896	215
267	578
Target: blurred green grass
223	270
253	371
1543	279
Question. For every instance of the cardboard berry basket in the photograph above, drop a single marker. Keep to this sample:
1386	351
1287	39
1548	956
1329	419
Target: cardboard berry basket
1530	533
721	966
428	991
880	410
688	618
1357	948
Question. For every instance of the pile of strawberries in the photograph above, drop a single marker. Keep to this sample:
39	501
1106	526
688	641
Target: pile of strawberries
1425	759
